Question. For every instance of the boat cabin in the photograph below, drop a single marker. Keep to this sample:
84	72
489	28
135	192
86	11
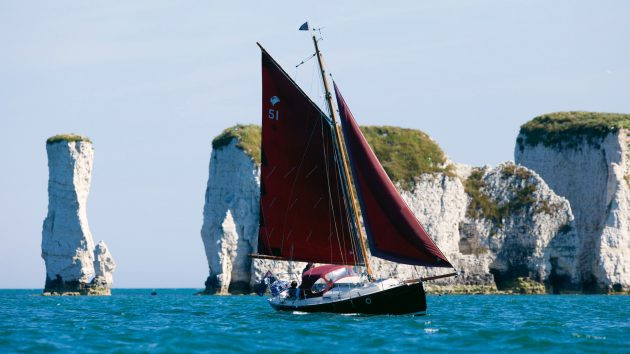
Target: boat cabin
318	280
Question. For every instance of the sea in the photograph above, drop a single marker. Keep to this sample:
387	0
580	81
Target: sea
175	320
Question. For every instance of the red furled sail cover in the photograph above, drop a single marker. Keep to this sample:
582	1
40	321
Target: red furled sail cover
393	231
302	206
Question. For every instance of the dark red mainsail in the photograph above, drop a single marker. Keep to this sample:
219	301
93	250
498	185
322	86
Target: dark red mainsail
393	231
303	215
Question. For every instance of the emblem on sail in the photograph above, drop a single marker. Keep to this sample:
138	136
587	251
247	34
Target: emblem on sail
274	100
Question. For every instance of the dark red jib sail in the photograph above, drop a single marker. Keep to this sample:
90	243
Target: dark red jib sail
302	209
393	231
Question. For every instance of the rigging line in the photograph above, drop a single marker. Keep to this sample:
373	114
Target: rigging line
330	203
310	86
322	86
321	95
349	219
291	257
356	223
337	179
350	191
338	209
350	222
334	97
306	60
322	98
341	200
346	201
332	211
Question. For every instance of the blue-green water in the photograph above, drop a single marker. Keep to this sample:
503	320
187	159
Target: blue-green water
175	320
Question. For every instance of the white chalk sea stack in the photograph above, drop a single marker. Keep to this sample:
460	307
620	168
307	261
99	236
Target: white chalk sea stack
503	228
585	157
67	246
104	266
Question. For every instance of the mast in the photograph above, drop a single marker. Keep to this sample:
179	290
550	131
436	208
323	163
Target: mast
345	170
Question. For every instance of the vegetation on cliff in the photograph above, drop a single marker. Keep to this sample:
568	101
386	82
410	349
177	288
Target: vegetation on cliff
570	129
525	285
248	138
404	153
67	137
480	203
483	206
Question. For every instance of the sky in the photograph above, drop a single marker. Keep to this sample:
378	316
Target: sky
151	82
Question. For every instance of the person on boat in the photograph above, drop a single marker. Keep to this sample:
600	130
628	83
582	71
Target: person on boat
266	282
277	287
293	290
308	267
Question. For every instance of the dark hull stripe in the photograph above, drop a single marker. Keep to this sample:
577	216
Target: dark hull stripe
402	299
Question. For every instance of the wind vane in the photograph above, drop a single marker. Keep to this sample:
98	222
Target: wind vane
305	27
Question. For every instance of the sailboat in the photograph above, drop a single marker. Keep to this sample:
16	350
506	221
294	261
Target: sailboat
319	176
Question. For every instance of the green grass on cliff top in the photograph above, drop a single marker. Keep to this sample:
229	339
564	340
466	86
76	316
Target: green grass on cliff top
569	129
248	138
67	137
404	153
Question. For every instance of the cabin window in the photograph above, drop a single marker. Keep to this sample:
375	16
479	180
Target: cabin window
319	286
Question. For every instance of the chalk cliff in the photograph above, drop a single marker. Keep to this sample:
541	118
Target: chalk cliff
230	214
498	226
585	157
67	246
517	222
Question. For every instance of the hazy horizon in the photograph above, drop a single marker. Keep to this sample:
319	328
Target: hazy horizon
152	82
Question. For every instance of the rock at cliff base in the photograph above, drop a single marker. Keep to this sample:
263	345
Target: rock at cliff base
104	266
